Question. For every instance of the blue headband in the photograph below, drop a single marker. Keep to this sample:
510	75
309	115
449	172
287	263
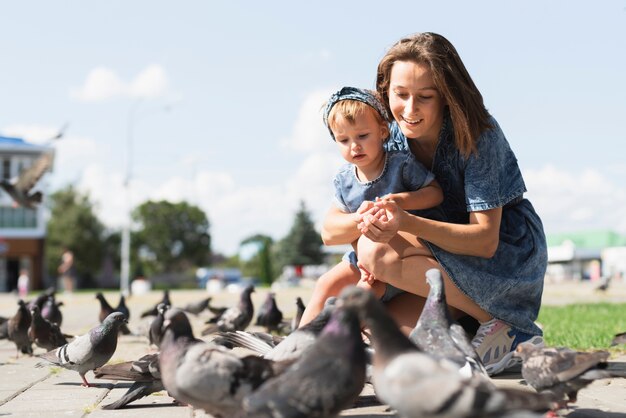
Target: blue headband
353	93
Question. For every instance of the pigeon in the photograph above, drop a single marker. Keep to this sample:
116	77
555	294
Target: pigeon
418	384
197	307
121	307
619	339
4	330
106	309
324	380
289	347
17	329
562	371
155	333
51	311
91	350
295	322
437	333
269	315
44	333
235	318
19	187
205	375
144	373
153	311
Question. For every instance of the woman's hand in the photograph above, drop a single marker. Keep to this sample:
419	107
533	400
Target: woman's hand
384	224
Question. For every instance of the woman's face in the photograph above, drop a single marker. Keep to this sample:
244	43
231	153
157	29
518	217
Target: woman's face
415	102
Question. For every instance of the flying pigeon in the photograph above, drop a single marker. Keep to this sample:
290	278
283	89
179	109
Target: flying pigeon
144	373
205	375
153	311
562	371
418	384
91	350
44	333
155	333
17	329
19	187
106	309
324	380
295	322
236	317
197	307
437	333
269	315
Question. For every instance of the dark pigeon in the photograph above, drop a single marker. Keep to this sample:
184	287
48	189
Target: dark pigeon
326	379
19	188
235	318
121	307
51	311
17	329
562	371
89	351
619	339
287	348
418	384
205	375
155	333
153	311
144	373
295	322
106	309
437	333
4	330
197	308
269	315
44	333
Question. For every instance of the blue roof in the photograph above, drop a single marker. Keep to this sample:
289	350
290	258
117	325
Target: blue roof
7	142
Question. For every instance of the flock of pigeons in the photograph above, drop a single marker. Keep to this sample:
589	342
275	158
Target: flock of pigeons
316	370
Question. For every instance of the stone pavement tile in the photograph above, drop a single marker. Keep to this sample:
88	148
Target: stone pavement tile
157	405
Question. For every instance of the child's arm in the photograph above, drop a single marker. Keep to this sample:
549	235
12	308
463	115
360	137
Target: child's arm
427	197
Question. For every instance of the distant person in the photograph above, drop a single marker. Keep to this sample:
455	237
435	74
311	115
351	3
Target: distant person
357	122
23	284
67	270
489	245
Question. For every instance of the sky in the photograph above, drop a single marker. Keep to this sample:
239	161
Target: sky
218	103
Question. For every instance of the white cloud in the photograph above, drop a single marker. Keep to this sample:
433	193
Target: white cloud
309	133
103	83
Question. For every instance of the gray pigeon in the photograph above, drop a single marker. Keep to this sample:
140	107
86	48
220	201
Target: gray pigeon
205	375
89	351
324	380
235	318
619	339
153	311
197	308
145	374
17	329
269	315
44	333
290	347
295	322
418	384
155	333
562	371
19	187
106	309
51	311
436	332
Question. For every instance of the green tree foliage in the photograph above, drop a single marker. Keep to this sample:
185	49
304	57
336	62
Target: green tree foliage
303	244
172	237
260	265
74	225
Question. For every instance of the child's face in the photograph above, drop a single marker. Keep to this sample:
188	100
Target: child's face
361	142
414	101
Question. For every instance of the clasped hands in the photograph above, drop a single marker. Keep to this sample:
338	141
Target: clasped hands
379	220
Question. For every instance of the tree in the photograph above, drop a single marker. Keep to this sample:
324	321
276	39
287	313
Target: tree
260	265
303	244
74	225
172	237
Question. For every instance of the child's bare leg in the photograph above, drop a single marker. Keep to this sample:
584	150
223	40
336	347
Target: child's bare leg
329	284
367	281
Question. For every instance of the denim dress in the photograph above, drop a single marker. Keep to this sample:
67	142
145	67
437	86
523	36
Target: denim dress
509	285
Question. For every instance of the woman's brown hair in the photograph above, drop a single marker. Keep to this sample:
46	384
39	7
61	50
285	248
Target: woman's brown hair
467	111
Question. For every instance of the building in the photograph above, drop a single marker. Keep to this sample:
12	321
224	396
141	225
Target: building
22	230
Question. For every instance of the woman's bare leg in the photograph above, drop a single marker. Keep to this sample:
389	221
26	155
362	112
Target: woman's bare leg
329	284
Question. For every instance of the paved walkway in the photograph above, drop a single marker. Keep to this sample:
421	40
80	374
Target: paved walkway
28	391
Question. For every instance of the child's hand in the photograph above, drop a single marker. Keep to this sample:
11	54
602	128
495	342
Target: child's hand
366	276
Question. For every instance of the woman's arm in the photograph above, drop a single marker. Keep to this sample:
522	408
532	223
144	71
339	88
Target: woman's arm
479	238
427	197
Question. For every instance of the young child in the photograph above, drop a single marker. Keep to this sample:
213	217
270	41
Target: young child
357	122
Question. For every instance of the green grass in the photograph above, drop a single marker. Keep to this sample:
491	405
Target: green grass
583	326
